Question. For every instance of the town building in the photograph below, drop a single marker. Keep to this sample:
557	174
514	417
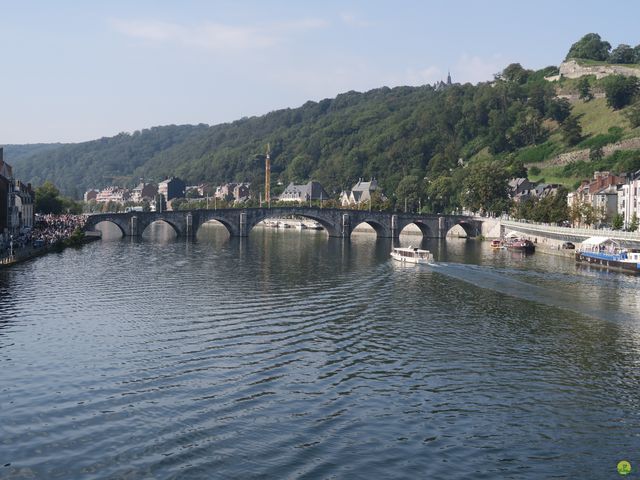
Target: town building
24	205
310	191
233	192
629	198
6	182
90	195
520	189
172	188
241	192
144	191
601	193
112	194
360	193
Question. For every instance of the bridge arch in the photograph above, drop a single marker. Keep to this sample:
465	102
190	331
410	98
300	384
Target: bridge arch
330	227
426	230
208	219
109	221
469	229
382	231
143	226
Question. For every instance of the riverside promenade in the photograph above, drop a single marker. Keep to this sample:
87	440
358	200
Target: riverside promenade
552	236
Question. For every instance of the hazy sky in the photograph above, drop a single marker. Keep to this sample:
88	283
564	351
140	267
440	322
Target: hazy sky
79	70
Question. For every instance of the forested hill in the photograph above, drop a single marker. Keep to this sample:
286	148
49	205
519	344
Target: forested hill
410	138
384	133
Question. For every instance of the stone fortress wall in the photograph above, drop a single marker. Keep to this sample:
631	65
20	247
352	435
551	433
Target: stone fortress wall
572	69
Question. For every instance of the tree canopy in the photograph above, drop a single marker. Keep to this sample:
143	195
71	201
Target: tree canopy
590	47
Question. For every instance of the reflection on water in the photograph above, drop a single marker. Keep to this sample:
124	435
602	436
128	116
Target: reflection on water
291	354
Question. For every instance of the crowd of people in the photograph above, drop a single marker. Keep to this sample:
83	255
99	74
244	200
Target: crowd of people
47	230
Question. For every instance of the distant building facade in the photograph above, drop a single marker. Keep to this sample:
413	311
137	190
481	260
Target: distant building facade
629	198
233	192
172	188
6	179
90	195
601	193
310	191
24	204
112	194
144	191
360	193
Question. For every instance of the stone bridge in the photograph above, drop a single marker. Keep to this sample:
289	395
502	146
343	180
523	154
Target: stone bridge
338	223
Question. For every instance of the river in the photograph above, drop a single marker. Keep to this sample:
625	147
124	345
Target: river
291	355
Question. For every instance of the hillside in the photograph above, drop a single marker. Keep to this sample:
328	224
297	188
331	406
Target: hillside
397	135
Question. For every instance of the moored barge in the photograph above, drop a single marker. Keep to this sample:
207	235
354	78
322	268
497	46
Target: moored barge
607	253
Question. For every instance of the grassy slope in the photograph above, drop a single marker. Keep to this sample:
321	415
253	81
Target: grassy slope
596	118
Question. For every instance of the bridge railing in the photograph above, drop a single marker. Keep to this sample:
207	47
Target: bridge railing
580	232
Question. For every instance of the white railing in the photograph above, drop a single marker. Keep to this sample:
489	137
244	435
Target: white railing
579	232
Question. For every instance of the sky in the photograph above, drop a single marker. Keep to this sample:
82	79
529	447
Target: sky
74	71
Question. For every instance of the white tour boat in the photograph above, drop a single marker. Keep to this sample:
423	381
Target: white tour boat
412	255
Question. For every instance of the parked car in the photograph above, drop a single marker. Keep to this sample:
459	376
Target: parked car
568	246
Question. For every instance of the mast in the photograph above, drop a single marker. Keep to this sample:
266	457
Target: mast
267	177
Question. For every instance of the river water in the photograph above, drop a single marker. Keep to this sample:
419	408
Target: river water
291	355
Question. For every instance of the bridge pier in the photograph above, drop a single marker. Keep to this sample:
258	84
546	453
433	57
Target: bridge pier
395	232
189	225
346	226
442	227
243	225
133	226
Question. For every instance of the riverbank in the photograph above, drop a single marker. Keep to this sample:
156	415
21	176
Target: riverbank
26	254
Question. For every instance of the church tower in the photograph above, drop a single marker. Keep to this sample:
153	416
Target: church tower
448	77
267	177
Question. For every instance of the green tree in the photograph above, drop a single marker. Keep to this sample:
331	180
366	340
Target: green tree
584	89
633	225
588	214
48	199
620	90
527	128
515	73
571	130
622	54
633	114
441	194
617	222
409	192
486	188
590	47
596	154
559	109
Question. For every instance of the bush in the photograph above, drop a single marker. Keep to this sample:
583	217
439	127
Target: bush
536	153
602	139
620	90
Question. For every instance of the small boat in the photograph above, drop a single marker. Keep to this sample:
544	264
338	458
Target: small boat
412	255
607	253
496	244
521	245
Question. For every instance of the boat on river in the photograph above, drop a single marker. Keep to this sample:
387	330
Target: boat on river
412	255
606	252
521	245
497	244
